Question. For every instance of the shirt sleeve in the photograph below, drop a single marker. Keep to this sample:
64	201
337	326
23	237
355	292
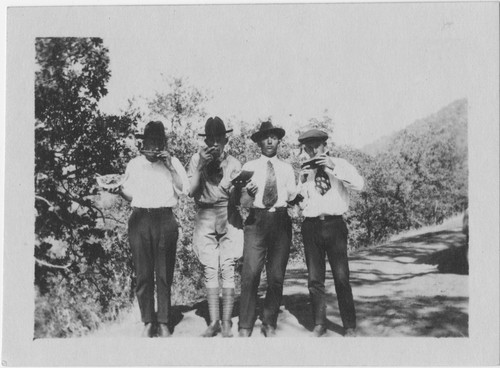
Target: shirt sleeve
183	175
348	174
193	164
290	184
129	178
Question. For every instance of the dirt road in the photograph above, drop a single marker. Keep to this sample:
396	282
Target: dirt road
415	285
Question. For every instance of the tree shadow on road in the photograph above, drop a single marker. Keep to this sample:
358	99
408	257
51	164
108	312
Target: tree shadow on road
421	249
299	305
436	316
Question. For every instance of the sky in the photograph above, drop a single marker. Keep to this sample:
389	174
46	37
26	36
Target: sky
372	68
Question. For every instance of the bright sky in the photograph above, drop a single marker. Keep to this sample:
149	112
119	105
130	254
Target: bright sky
375	67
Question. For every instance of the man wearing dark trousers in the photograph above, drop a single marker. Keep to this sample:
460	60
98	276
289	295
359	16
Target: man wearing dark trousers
154	180
324	184
267	231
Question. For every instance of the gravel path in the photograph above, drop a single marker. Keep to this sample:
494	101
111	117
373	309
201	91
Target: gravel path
415	285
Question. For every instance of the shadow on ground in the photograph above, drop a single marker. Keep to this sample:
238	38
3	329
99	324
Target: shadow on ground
421	249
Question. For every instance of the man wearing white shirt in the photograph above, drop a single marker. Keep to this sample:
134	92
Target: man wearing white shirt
153	183
267	232
324	184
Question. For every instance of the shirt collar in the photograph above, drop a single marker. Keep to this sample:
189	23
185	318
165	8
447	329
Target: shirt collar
273	159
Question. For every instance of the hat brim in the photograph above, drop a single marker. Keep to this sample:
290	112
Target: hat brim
206	135
313	139
257	136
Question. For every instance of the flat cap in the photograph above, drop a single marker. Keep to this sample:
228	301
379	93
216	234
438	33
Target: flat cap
313	135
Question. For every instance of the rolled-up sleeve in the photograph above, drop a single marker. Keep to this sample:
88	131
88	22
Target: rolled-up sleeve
183	175
348	174
290	184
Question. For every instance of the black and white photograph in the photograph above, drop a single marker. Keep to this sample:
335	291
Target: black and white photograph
251	184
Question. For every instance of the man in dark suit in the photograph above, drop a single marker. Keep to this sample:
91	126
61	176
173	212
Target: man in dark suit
267	232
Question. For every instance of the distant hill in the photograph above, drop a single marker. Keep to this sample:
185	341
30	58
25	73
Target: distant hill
452	117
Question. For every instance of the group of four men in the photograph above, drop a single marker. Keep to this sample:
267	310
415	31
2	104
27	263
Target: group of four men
154	181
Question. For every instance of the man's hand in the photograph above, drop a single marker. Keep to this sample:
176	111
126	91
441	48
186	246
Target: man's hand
205	156
166	158
116	190
304	173
251	188
325	161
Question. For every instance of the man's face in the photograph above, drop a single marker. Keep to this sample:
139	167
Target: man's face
152	145
269	144
315	148
218	142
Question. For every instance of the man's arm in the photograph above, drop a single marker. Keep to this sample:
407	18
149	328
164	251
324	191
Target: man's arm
179	176
196	165
347	173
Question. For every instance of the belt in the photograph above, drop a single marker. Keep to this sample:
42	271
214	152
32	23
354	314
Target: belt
325	217
209	205
272	209
153	210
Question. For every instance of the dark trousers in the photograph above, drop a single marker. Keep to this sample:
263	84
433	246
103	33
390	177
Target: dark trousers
328	237
153	239
267	239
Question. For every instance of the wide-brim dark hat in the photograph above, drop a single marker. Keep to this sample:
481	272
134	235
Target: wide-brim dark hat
214	127
154	130
266	128
313	135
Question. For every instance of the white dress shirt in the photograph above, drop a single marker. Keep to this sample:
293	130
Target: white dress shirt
285	180
151	184
335	201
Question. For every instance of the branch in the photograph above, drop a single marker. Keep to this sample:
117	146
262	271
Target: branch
46	264
45	200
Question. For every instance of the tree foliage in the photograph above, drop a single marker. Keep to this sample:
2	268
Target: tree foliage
73	143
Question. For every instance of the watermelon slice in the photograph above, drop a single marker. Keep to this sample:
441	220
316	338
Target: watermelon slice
110	181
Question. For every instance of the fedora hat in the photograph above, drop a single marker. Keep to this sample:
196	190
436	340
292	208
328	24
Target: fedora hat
313	135
154	130
265	128
215	127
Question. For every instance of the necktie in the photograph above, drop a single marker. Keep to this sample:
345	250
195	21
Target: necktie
322	181
214	172
270	195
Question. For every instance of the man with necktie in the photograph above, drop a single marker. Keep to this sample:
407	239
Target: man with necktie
267	232
324	182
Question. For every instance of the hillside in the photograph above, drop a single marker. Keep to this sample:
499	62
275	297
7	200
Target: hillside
451	118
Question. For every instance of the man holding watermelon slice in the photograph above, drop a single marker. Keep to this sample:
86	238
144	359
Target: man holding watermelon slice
154	181
217	239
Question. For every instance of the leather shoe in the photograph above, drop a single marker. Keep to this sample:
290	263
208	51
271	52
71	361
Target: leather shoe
268	331
226	329
244	332
212	330
148	330
319	330
350	332
163	330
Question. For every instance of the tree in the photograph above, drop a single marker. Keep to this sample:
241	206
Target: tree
73	143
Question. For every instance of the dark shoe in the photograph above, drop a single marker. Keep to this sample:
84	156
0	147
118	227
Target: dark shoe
163	330
212	330
319	330
226	329
268	331
148	330
350	332
244	332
